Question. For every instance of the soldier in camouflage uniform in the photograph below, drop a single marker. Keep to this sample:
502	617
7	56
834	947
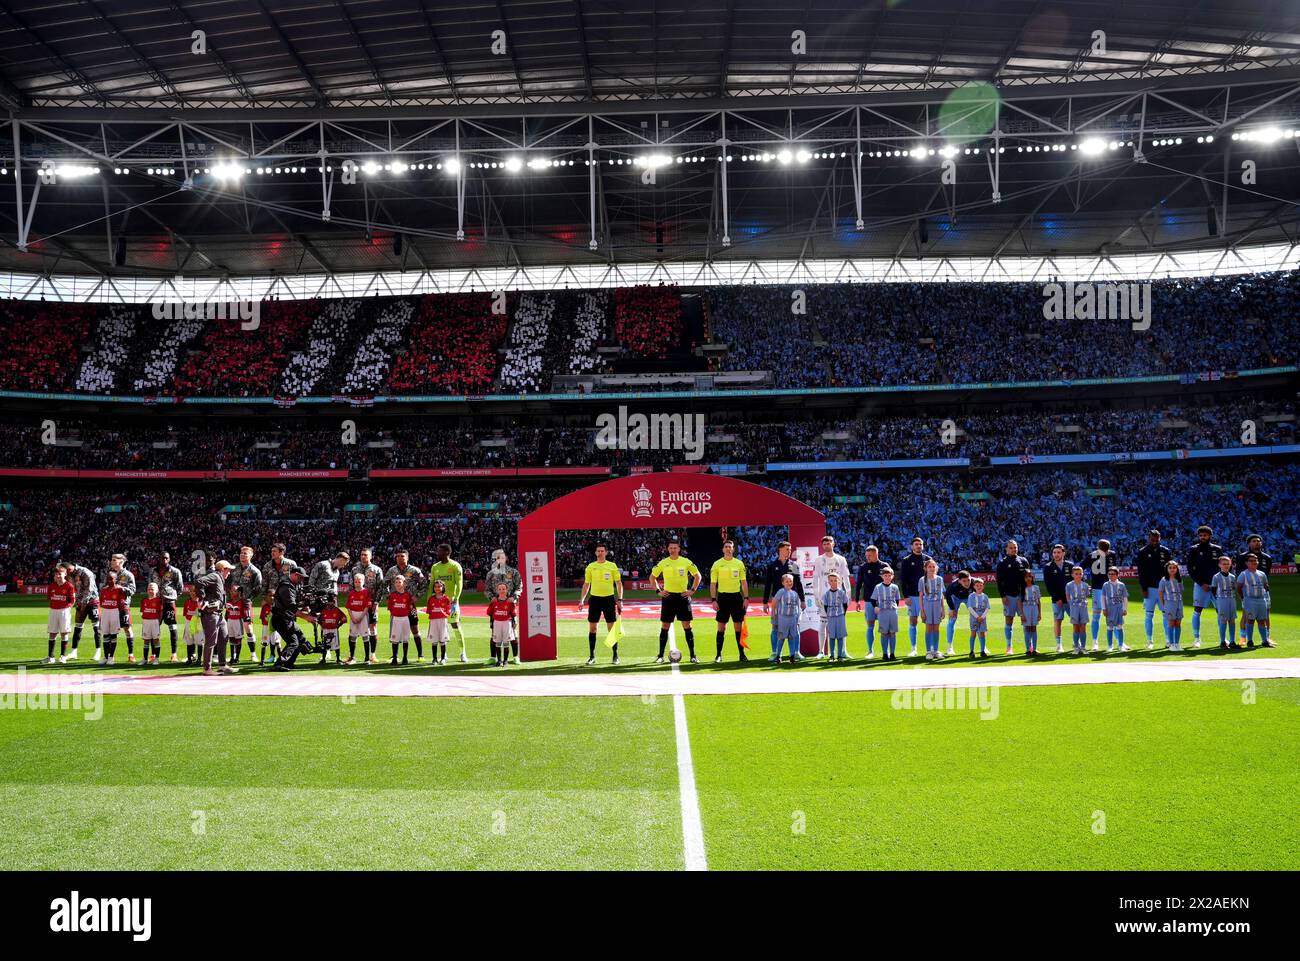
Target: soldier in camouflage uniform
248	579
170	585
416	584
83	579
373	576
126	581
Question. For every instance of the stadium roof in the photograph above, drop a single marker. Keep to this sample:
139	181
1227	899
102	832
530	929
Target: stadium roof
293	86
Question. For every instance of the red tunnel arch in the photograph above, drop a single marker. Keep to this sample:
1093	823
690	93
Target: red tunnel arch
642	501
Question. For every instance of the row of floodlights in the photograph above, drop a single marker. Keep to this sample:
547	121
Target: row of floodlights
1092	146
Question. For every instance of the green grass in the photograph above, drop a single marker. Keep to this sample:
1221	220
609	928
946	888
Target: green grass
23	642
319	783
1186	775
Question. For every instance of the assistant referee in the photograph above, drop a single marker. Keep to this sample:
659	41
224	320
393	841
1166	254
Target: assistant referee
676	579
603	583
729	591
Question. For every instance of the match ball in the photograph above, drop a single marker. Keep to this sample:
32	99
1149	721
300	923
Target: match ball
674	656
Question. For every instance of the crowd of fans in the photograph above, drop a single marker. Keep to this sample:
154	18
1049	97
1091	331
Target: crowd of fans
588	328
42	525
764	329
109	353
128	443
233	361
813	336
1040	508
648	320
161	354
922	333
452	348
374	355
39	343
329	331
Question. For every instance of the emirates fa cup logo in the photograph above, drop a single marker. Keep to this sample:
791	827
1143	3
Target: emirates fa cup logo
642	506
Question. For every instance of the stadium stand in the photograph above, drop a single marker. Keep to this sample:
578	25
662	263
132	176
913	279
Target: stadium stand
731	438
1038	507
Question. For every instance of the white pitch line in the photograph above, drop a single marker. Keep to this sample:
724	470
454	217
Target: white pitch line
692	826
807	679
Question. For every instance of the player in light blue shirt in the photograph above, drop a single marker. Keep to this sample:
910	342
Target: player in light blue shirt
1252	585
978	606
886	597
1077	593
789	605
835	602
1224	590
1031	612
1114	601
1170	597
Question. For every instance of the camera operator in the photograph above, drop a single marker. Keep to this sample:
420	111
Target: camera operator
212	615
289	604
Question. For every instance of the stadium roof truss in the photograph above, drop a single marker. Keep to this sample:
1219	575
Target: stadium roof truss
588	145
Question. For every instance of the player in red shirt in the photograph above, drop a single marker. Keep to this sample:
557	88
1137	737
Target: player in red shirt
112	599
439	611
151	612
359	601
400	605
270	639
237	614
501	613
61	597
330	619
193	632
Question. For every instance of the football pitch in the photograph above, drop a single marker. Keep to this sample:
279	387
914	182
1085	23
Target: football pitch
1169	775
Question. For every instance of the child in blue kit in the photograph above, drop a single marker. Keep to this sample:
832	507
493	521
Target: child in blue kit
931	590
835	602
788	605
978	606
886	598
1076	599
1032	612
1114	601
1224	590
1252	585
1169	595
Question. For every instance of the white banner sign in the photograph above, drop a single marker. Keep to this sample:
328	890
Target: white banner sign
538	590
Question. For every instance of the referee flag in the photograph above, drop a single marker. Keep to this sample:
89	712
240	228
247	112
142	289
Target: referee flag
614	634
744	634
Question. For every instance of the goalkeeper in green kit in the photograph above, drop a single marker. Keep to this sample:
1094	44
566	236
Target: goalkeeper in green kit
453	576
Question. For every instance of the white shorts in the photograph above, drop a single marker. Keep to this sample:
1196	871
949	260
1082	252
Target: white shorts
193	631
331	640
438	630
399	630
151	630
110	621
503	632
234	627
60	621
358	624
